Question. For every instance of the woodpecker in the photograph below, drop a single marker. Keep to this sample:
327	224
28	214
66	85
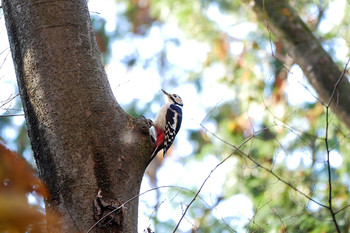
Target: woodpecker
167	123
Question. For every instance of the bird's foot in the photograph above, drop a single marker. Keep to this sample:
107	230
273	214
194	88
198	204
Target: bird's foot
149	121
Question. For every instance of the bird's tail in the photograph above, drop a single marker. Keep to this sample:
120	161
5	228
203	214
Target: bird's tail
165	150
155	152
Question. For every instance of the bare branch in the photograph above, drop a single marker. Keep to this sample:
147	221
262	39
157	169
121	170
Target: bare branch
252	220
267	169
337	83
284	229
3	62
330	196
11	115
137	196
313	95
345	207
330	175
206	179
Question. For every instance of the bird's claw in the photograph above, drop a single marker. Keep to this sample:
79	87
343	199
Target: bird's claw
149	121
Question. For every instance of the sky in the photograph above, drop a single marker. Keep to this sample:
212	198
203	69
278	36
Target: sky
142	85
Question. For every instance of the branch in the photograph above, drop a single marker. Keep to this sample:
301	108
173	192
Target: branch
252	220
306	50
330	175
137	196
328	151
206	179
317	65
265	168
11	115
345	207
285	182
335	88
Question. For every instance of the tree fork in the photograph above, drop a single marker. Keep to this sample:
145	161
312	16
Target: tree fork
81	138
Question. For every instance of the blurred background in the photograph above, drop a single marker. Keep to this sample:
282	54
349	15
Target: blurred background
223	63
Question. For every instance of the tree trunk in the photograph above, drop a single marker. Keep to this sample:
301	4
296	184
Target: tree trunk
82	140
307	52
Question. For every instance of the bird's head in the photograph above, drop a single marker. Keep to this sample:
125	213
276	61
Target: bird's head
173	98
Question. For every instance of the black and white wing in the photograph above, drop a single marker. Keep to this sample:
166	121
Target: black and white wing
172	127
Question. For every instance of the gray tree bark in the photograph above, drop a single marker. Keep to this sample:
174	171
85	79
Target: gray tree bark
307	51
81	138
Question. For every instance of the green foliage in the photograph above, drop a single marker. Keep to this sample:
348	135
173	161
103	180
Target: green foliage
286	159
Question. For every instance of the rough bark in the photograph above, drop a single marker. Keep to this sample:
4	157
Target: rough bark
82	140
306	50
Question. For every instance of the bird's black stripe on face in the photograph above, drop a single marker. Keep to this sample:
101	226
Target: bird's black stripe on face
171	97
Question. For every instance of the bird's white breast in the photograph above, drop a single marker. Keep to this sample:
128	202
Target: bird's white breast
160	121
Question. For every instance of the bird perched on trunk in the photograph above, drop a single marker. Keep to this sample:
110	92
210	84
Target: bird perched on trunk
167	123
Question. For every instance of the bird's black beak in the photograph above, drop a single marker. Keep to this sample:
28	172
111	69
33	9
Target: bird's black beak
165	92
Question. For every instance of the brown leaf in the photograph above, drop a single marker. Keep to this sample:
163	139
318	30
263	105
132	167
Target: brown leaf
17	176
17	179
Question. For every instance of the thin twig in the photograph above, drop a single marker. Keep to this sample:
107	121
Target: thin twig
206	179
284	229
121	206
208	114
268	170
330	175
156	209
137	196
11	115
313	95
330	195
337	212
8	100
3	62
338	82
252	220
285	182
